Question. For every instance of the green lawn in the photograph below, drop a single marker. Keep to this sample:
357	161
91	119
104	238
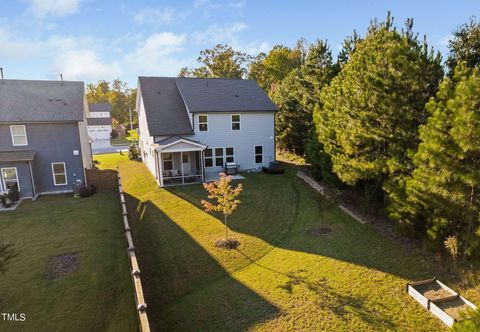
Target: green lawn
132	135
97	297
280	278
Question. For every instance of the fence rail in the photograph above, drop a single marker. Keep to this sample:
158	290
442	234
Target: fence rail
135	270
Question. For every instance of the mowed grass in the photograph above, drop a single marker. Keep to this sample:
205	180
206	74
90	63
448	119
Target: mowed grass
280	278
97	297
132	135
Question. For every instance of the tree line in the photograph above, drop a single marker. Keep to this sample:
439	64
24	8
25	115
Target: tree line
387	116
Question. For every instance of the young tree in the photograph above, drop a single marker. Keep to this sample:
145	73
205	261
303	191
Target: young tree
225	197
465	46
372	109
443	193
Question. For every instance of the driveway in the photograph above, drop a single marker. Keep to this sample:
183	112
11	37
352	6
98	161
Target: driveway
104	146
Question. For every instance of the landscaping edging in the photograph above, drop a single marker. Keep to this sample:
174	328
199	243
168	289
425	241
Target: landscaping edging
135	270
318	187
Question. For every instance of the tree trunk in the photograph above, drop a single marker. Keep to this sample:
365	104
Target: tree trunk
226	228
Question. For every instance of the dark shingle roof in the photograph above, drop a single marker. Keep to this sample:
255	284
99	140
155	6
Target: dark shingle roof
164	107
17	155
223	95
40	101
99	121
99	107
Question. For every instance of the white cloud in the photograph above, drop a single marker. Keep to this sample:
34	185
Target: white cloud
14	47
220	34
156	16
158	55
43	8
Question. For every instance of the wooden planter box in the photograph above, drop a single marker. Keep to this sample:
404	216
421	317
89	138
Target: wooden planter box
439	299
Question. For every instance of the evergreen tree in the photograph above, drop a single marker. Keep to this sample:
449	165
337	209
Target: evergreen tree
443	193
465	46
372	109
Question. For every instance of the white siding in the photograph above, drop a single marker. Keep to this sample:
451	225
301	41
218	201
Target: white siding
255	129
145	141
99	132
99	115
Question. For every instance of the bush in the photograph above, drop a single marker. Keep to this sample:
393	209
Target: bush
14	195
469	323
93	188
133	152
84	191
114	134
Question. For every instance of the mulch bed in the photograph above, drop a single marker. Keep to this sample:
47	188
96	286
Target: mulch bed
454	308
59	266
433	291
319	231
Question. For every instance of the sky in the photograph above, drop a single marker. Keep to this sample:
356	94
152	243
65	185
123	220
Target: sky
91	40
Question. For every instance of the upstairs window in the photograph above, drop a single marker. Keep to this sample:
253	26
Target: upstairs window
202	123
259	154
236	122
59	174
19	135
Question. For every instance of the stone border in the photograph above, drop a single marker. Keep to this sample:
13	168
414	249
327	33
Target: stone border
139	298
318	187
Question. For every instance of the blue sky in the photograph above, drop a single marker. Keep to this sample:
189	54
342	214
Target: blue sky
91	40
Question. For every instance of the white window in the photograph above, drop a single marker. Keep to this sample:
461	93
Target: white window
167	161
59	174
19	135
10	178
236	122
218	156
203	123
229	155
208	158
258	154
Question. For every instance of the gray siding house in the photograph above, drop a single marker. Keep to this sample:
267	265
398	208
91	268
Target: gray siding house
99	121
190	128
44	145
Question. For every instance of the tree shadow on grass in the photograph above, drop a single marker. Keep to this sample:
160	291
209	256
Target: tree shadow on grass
185	288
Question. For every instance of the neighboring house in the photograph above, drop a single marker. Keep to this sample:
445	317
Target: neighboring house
99	121
189	127
44	145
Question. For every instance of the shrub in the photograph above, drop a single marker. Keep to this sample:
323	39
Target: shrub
93	188
114	134
14	195
133	152
84	191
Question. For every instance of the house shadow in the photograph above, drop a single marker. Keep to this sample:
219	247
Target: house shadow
185	288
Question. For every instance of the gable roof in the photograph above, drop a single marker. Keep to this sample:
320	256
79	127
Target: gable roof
164	108
167	99
100	107
223	95
175	140
41	101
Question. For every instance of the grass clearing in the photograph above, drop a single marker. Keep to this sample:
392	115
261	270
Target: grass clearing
96	295
281	277
132	135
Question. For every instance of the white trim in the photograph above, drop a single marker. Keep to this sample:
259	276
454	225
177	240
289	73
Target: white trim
215	158
64	173
204	131
164	160
255	154
212	157
230	155
55	192
239	122
181	140
25	134
16	177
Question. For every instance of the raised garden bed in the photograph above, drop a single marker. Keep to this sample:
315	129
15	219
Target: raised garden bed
440	300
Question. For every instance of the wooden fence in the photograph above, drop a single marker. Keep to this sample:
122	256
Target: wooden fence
135	270
104	180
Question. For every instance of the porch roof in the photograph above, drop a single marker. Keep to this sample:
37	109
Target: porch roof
17	156
179	144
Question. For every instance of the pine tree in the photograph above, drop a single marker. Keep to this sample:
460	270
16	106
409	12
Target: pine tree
443	193
373	108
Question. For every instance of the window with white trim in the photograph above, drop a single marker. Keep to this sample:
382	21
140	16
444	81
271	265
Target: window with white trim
10	178
203	123
229	155
218	156
258	154
167	161
208	158
236	122
59	174
19	135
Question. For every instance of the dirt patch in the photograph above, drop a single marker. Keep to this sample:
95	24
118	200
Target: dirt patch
454	308
61	265
319	231
433	291
231	243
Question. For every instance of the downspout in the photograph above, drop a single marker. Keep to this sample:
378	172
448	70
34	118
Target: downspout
31	179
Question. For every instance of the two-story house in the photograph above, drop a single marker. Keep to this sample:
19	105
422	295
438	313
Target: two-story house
44	145
190	127
99	121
